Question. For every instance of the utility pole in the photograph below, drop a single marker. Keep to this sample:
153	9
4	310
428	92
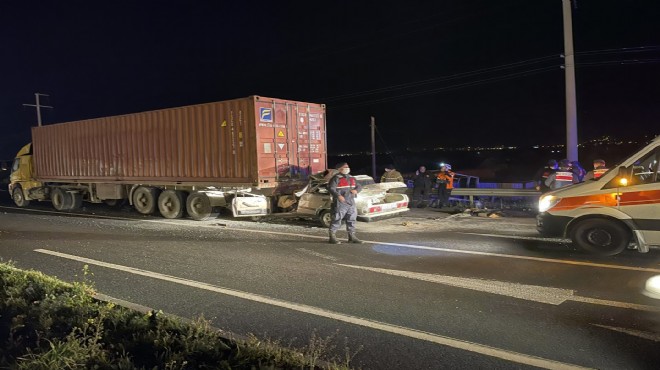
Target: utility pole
373	147
569	70
38	106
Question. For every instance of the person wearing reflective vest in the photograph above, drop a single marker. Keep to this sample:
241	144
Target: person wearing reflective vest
542	175
344	190
599	169
562	177
445	182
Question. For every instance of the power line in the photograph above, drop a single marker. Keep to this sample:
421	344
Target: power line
446	88
441	78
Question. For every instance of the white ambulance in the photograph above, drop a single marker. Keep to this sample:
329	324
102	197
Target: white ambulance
609	214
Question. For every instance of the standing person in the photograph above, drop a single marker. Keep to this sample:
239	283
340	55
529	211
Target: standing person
344	189
445	181
391	175
421	187
562	177
599	169
543	174
578	170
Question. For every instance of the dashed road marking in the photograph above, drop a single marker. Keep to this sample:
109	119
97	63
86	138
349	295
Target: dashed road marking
317	254
637	333
372	324
536	293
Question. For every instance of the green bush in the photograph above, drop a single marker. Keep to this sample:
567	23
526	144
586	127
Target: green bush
48	324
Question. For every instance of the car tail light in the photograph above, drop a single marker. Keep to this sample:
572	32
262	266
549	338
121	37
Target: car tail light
374	209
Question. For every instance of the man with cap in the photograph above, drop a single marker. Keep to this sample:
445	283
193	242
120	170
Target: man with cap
599	169
391	175
344	189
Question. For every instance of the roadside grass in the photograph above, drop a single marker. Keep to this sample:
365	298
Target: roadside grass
48	324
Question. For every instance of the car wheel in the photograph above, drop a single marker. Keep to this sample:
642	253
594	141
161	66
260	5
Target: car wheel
145	200
600	236
198	206
326	218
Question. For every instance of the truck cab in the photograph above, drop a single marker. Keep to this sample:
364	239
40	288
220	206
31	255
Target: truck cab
21	179
606	215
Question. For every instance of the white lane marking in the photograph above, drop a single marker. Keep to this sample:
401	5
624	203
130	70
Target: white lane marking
554	296
402	245
389	328
537	238
604	302
548	295
317	254
637	333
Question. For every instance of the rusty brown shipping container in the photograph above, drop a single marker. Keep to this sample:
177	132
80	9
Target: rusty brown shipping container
255	141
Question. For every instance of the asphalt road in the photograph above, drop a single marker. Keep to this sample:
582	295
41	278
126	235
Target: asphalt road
426	291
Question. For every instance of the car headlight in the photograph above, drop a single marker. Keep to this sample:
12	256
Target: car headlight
547	201
652	287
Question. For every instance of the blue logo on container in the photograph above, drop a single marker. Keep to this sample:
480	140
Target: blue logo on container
266	114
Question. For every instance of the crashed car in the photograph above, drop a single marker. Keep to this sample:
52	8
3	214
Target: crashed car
375	201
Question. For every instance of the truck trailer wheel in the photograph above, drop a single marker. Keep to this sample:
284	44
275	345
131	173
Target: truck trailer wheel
145	200
76	200
62	201
198	206
600	236
171	204
19	198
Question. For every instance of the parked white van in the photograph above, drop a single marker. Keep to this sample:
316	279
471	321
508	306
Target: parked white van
606	215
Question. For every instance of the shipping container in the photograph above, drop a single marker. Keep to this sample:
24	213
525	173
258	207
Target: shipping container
255	141
192	158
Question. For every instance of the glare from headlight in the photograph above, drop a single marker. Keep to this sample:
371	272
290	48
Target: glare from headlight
652	288
548	201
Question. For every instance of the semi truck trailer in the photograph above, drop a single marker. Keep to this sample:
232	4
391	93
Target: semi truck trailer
240	154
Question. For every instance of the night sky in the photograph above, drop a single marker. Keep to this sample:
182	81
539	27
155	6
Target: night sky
433	73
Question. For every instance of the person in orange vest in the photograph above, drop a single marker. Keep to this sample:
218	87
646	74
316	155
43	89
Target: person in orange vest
445	182
563	177
599	169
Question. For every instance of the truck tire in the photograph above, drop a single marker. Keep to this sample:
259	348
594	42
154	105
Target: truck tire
171	204
198	206
145	200
600	236
18	198
326	218
61	199
76	200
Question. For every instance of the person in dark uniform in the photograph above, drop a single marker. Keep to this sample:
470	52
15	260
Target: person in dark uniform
543	174
421	187
344	189
391	175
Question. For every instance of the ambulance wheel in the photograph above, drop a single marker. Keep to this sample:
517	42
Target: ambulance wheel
62	201
600	236
198	206
145	200
19	198
171	204
326	218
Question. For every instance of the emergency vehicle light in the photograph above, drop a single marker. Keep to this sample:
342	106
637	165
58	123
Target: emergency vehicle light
623	181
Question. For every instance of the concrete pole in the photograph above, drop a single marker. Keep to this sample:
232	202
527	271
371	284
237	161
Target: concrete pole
569	70
373	147
36	95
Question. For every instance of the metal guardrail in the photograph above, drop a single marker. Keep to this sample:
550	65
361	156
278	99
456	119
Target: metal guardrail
472	192
496	192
